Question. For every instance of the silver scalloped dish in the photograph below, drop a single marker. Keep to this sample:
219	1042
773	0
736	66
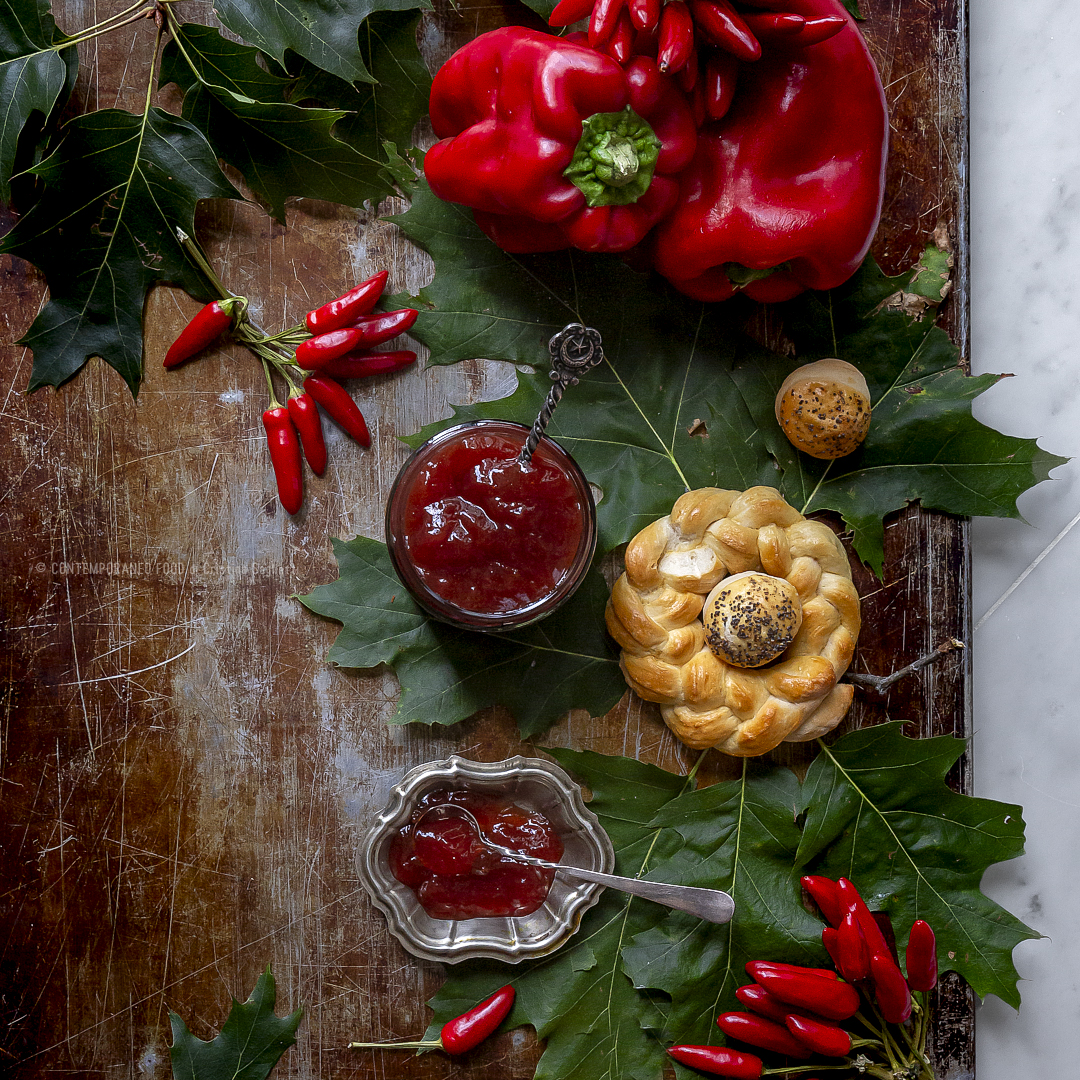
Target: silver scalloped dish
529	782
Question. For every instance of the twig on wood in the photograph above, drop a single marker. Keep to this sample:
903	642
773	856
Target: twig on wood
880	683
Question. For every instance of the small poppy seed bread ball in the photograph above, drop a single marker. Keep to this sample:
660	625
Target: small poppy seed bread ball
824	408
751	618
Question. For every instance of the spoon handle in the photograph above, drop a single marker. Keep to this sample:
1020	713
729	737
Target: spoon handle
709	904
575	349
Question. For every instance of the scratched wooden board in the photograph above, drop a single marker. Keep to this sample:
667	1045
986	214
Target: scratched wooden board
183	780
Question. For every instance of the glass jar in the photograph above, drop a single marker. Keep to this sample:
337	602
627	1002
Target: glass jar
483	541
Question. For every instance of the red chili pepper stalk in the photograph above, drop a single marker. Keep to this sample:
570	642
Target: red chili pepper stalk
284	447
209	323
464	1032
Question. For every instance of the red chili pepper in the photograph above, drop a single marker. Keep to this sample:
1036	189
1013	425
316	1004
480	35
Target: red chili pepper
770	24
834	1000
721	76
791	180
757	1031
890	989
382	327
758	999
313	353
304	414
676	37
569	11
830	938
605	15
285	455
565	166
827	1039
348	307
645	14
818	30
854	953
362	364
335	399
209	323
472	1028
850	900
921	957
823	892
620	46
718	1060
721	25
687	76
753	966
463	1032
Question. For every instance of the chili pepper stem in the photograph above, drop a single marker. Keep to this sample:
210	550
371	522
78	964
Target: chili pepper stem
274	403
422	1044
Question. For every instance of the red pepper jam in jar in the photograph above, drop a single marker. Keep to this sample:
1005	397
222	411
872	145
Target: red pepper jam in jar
484	540
455	877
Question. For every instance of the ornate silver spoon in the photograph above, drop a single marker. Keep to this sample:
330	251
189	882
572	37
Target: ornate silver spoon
575	349
709	904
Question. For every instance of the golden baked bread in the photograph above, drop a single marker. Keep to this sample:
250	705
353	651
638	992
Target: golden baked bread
824	408
672	567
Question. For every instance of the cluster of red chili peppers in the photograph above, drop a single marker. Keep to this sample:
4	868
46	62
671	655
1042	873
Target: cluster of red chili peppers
796	1011
335	342
733	145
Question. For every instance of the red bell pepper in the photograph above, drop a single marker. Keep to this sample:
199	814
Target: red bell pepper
785	191
554	145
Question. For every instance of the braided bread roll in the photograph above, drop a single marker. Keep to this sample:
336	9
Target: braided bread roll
655	610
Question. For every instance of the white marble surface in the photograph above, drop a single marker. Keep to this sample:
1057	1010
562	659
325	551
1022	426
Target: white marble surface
1025	233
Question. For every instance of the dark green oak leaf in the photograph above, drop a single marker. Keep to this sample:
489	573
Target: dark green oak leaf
325	33
740	836
923	443
658	417
878	812
580	1001
35	79
378	113
754	837
539	672
249	1045
104	231
282	148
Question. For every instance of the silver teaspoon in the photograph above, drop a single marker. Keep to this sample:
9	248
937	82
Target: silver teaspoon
709	904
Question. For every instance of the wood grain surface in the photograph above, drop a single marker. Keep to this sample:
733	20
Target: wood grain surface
183	779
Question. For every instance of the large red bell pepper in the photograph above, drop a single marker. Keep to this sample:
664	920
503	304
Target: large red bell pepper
785	191
553	144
